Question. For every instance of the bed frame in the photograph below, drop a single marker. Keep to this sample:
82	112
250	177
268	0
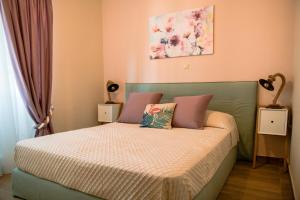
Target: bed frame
236	98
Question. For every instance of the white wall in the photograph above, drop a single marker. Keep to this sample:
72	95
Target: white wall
77	63
295	142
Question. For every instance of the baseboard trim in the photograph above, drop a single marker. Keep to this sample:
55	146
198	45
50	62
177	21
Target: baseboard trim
292	182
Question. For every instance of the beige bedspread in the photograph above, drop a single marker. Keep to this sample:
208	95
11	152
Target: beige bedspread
123	161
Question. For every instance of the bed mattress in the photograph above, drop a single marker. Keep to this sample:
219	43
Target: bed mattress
124	161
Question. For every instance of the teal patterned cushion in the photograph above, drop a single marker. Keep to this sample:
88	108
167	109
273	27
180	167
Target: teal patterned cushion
158	115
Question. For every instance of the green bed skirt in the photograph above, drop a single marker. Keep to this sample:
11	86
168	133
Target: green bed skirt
29	187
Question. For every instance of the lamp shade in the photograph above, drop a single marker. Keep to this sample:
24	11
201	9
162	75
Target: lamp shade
267	84
111	86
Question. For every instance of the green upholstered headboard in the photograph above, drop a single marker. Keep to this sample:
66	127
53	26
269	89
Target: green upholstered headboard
236	98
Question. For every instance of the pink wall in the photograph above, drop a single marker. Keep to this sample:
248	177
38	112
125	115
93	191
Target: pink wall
253	38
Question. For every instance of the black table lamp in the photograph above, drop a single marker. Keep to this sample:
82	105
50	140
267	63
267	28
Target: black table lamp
111	87
268	84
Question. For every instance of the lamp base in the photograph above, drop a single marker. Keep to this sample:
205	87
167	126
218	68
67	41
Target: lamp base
110	102
275	106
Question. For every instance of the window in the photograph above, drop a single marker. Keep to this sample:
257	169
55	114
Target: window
15	122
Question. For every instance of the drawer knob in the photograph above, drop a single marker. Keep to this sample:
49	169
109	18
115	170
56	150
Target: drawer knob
272	121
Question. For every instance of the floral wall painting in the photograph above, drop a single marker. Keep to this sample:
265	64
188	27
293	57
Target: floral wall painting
185	33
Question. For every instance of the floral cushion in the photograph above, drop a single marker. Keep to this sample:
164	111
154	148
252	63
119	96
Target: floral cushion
158	115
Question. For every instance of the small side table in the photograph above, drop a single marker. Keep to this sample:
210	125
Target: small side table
108	112
271	138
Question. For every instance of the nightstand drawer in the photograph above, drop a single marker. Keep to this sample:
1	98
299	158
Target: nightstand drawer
108	112
273	121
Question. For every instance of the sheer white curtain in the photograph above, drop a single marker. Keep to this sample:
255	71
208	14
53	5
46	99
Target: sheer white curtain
15	122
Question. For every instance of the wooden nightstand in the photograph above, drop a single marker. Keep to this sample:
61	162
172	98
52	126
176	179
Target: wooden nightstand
271	138
108	112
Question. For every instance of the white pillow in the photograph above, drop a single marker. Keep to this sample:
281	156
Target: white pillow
219	120
223	120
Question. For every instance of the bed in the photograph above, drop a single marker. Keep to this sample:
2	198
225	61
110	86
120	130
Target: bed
124	161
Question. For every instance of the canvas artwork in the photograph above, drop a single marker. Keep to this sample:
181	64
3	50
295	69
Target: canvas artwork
185	33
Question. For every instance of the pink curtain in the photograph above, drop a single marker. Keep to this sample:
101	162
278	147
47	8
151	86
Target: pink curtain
29	27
